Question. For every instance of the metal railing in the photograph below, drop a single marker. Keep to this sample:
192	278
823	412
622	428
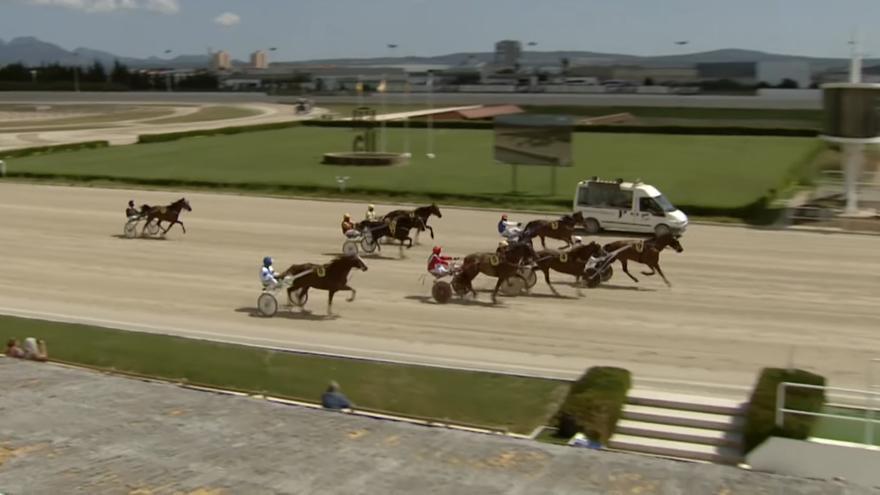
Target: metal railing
868	419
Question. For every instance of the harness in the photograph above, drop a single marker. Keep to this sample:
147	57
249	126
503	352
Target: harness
639	246
393	226
321	271
563	257
494	260
554	225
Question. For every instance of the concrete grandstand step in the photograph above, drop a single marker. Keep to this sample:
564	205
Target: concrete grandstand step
691	419
679	433
680	450
696	403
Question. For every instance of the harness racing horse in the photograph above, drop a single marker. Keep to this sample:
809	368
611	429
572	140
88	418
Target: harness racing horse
503	266
562	229
646	252
571	262
168	214
423	213
332	277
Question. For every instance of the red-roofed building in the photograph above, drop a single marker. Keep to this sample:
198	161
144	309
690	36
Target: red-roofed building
481	113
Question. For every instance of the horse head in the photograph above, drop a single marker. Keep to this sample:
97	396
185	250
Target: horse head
435	210
521	252
358	263
583	252
662	241
578	218
675	244
183	203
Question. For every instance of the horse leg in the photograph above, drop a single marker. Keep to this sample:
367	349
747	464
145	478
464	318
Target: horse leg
430	230
626	271
543	244
497	288
330	301
353	292
181	226
656	266
547	279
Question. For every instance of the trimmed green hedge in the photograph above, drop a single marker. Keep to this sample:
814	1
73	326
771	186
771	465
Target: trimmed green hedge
594	403
41	150
761	414
174	136
626	129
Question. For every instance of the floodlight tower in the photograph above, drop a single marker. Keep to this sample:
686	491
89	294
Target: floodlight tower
852	120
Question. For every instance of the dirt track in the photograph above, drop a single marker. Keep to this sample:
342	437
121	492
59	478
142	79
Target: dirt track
740	299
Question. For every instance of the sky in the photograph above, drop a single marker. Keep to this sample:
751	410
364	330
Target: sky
309	29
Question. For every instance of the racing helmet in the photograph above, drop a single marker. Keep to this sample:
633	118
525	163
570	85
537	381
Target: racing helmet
131	203
437	250
504	216
371	207
346	217
267	261
502	243
577	239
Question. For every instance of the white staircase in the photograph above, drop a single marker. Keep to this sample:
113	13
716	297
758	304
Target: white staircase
681	426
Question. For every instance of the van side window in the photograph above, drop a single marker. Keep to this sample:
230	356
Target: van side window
650	206
623	199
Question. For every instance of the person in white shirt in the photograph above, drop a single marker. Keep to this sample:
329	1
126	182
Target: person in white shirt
268	276
507	229
371	213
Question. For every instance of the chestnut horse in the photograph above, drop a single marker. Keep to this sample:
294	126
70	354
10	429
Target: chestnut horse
562	229
646	252
571	262
168	214
500	264
332	277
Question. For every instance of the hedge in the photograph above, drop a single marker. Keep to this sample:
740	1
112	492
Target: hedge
594	404
174	136
628	129
40	150
760	421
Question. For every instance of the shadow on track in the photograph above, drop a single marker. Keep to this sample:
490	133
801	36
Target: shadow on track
287	313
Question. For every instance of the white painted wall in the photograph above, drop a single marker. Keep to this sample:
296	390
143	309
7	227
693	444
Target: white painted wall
858	465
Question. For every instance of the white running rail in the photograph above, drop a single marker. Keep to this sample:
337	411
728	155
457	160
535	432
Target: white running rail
870	409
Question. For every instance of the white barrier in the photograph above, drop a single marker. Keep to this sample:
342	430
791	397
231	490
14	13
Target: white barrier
808	459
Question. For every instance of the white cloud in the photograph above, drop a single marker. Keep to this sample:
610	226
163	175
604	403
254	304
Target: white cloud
227	19
100	6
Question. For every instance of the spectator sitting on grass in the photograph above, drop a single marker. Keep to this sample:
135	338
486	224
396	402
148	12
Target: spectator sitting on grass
35	349
13	350
334	399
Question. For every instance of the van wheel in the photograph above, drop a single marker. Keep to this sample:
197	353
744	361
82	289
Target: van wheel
662	230
591	225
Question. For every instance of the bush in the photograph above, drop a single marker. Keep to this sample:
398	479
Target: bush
40	150
594	403
174	136
761	414
630	129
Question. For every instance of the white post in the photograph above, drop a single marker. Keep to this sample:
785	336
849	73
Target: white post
430	153
780	404
2	168
853	160
855	61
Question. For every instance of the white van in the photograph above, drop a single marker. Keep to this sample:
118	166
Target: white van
626	206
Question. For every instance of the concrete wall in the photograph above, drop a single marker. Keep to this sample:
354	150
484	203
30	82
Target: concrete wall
816	460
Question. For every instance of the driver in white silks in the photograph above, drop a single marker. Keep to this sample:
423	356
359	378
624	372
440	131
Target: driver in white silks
507	229
268	276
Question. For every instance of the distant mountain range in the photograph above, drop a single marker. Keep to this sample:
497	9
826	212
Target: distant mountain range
33	51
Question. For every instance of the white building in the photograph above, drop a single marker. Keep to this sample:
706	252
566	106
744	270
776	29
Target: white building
259	60
773	73
221	61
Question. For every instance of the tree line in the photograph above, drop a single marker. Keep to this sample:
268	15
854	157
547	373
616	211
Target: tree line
119	77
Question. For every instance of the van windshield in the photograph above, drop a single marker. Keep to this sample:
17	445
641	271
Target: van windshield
665	204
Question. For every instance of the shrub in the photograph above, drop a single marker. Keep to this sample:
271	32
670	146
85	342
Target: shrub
594	403
174	136
761	414
40	150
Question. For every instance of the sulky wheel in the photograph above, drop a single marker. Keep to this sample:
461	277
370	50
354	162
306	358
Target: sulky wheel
369	245
442	292
459	287
593	278
267	304
299	300
513	286
153	228
130	229
607	273
529	275
350	248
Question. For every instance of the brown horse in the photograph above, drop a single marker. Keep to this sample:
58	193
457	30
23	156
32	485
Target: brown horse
423	213
562	229
166	214
502	265
571	262
332	277
646	252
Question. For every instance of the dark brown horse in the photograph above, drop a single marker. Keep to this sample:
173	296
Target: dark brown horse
168	214
397	228
502	265
562	229
646	252
332	277
423	213
571	262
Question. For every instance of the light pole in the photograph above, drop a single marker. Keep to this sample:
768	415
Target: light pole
168	75
533	78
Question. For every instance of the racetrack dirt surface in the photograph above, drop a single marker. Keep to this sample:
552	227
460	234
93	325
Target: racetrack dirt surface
741	298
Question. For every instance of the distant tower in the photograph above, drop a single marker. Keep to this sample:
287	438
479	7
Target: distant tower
507	52
221	60
259	60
